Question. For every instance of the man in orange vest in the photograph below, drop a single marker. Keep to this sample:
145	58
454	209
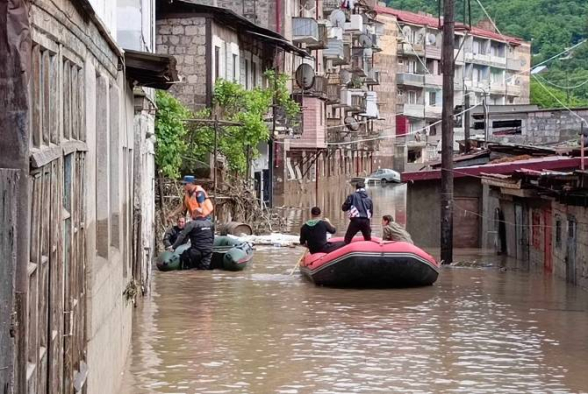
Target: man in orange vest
195	201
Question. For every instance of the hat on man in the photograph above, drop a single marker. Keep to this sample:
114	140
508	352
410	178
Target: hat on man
188	179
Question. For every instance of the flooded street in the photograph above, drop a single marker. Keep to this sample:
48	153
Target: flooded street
264	331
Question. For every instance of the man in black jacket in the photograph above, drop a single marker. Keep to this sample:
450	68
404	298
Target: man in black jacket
313	234
359	208
200	231
172	234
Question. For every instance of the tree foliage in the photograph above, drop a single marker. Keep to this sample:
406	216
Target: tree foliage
184	146
548	97
170	131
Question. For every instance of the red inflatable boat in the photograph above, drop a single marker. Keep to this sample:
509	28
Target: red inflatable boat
369	264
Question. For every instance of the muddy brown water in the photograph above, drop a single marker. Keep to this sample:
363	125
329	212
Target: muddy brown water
263	331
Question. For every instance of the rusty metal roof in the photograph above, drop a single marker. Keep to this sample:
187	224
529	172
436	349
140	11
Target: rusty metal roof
151	70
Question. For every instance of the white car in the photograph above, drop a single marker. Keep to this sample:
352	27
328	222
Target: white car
384	175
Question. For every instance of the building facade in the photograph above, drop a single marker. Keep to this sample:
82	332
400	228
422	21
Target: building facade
491	69
76	166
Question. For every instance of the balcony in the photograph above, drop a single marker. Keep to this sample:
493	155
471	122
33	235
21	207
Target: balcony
323	40
435	80
411	110
433	52
499	61
371	106
497	88
406	49
358	103
333	93
372	77
433	111
410	79
318	89
514	90
305	30
334	51
376	43
353	99
478	58
360	64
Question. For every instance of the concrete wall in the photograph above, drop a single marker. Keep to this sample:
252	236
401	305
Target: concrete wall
386	62
185	39
423	208
560	261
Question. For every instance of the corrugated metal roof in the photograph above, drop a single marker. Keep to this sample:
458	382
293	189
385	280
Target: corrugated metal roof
538	164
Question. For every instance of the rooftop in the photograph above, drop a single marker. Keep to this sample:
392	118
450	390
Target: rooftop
431	21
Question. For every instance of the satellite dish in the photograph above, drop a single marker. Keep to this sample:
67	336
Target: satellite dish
351	123
338	18
365	41
407	32
431	39
305	76
344	76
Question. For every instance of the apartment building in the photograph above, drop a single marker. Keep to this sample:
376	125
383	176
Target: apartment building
490	68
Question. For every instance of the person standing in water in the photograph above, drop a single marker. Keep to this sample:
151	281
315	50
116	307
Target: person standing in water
359	208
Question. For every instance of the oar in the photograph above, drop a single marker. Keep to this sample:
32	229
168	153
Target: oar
298	263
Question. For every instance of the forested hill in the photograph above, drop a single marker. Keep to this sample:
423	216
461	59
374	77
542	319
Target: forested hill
551	26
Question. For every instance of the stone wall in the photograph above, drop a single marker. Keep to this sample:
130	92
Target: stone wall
552	126
261	12
185	39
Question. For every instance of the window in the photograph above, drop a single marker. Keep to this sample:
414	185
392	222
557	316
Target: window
433	98
254	74
235	67
216	63
558	232
433	130
412	97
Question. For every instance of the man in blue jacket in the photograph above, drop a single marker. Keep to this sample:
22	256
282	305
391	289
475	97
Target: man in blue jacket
359	208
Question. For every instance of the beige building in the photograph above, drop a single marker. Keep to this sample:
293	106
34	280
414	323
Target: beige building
490	68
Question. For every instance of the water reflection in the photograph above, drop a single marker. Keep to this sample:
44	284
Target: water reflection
264	331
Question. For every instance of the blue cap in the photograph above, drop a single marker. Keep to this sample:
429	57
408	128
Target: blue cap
188	179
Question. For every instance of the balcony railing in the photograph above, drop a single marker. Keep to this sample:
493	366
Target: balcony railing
435	80
305	30
405	49
410	79
372	77
334	50
433	52
333	94
513	64
323	40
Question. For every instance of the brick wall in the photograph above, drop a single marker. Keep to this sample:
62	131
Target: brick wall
386	62
313	125
185	38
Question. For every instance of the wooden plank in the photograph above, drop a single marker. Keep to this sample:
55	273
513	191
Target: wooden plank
66	86
73	146
55	133
82	105
8	201
75	119
56	285
36	97
45	107
41	157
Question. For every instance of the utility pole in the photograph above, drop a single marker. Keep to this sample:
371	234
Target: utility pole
466	120
447	134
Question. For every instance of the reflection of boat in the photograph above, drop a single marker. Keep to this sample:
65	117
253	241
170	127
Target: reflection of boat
369	264
229	254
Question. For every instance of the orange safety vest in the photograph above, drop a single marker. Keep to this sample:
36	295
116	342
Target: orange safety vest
192	204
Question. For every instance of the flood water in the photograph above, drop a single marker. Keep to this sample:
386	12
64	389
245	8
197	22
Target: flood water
263	330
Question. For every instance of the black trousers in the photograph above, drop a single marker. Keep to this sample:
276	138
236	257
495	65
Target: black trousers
332	246
356	225
194	258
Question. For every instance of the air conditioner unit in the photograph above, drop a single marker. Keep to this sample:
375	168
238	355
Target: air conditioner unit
371	105
355	24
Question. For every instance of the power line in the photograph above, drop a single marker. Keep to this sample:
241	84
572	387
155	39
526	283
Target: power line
562	87
558	100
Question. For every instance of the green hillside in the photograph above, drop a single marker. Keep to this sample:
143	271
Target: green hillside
550	25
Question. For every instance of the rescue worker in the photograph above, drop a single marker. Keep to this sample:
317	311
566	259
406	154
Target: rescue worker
200	231
359	208
393	232
195	198
313	234
172	234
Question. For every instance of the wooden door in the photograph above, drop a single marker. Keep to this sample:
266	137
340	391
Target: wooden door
466	223
548	243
